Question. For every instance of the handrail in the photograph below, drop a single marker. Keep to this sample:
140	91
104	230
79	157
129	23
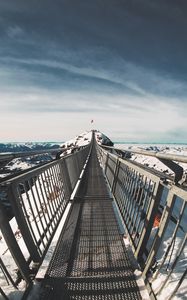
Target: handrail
38	198
167	159
147	207
157	154
42	195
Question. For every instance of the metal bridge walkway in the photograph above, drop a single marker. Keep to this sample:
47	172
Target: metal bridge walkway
90	260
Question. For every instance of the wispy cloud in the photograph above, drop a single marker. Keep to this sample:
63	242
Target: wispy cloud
126	122
15	32
122	63
134	80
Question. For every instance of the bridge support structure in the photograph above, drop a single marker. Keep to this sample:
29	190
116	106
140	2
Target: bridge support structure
39	199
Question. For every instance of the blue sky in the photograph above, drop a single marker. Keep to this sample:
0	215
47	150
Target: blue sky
120	62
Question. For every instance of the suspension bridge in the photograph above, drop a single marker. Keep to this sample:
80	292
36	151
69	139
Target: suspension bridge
108	245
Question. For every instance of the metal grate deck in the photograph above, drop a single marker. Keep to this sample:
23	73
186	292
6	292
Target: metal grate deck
90	261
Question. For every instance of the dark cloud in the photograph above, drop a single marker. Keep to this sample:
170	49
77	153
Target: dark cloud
103	36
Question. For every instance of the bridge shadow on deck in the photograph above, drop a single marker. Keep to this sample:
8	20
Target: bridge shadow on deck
90	260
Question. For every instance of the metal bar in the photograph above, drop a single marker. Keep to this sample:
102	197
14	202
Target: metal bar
36	214
34	219
42	211
148	224
12	155
178	170
152	208
130	192
47	202
50	203
66	178
178	285
138	202
125	190
22	221
175	157
106	163
58	187
132	199
7	274
174	264
171	242
3	294
26	218
53	190
56	191
30	173
164	222
44	207
119	196
123	199
147	199
13	245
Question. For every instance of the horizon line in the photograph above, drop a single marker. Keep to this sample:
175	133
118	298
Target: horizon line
115	142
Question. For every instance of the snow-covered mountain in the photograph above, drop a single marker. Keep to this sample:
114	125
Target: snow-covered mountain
81	140
84	139
67	147
28	146
153	162
19	164
23	163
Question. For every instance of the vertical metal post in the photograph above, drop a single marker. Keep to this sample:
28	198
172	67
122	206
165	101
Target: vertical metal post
163	225
149	221
65	177
106	163
22	223
13	245
115	179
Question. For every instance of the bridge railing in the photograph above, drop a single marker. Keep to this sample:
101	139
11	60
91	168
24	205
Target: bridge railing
38	200
154	215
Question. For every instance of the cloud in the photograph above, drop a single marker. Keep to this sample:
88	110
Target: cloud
15	32
127	119
123	61
121	77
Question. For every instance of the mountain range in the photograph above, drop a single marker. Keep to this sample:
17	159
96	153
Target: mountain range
21	147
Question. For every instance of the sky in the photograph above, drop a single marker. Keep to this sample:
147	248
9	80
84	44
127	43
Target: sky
121	63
